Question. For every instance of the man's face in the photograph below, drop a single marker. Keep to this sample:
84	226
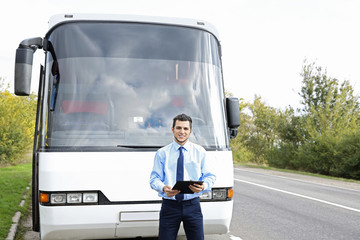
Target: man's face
181	131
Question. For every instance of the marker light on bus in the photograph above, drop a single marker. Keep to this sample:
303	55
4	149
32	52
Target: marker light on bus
44	197
230	193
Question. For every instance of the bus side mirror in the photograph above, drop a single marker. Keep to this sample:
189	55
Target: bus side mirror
23	65
233	115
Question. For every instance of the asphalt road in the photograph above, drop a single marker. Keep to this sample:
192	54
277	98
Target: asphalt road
270	205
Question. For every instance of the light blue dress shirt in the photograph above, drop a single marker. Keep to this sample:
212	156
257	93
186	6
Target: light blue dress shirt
165	165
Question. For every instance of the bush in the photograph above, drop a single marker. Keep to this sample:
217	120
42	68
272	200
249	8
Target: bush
17	122
349	154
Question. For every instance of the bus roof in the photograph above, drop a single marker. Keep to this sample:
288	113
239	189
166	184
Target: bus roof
187	22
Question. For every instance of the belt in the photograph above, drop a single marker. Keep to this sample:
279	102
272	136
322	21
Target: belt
184	202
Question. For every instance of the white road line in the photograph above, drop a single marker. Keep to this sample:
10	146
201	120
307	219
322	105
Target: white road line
299	195
299	180
234	238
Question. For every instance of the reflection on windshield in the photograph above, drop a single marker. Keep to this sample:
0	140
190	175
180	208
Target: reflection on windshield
122	101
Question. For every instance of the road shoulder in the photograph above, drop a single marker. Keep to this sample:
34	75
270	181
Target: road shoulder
301	177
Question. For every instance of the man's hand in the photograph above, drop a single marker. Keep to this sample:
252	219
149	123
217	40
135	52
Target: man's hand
196	188
169	192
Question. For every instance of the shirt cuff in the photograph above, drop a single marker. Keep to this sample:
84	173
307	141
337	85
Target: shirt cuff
161	188
206	186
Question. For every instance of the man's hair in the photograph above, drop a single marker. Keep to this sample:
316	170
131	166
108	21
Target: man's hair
182	117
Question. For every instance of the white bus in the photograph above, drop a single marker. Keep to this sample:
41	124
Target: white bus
108	90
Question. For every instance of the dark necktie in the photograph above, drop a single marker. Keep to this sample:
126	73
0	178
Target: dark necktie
180	172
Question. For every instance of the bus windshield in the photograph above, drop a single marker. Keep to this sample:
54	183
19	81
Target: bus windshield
110	84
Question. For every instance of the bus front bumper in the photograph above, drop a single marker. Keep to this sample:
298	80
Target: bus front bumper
121	221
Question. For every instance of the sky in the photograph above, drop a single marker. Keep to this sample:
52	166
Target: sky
264	42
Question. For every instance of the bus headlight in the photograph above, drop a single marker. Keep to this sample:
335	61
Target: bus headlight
90	197
58	198
74	198
68	198
206	196
219	194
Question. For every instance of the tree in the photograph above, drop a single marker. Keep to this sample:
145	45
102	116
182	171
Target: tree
290	136
256	134
17	121
329	107
322	137
331	116
239	145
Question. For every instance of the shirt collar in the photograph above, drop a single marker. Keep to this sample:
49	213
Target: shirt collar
186	145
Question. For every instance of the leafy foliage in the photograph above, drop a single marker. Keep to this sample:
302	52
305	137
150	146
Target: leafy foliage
256	133
17	121
323	137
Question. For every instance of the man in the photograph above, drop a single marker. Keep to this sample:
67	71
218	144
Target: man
181	160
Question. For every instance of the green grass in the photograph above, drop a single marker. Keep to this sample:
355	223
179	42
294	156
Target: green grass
13	183
21	230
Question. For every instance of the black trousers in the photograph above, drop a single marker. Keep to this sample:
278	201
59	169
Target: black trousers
173	213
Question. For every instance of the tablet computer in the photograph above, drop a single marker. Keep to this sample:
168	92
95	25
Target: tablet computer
183	186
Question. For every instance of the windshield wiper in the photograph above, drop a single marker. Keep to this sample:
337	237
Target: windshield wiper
137	146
